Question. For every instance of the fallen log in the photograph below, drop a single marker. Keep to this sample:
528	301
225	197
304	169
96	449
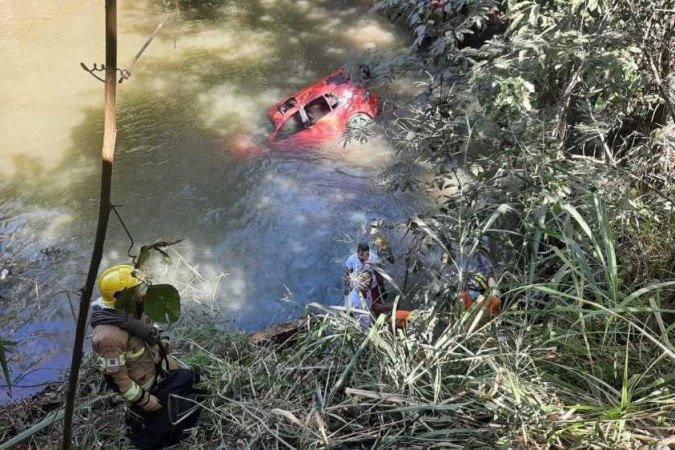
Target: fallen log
278	334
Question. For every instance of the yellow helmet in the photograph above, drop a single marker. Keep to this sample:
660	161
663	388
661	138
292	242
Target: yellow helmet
482	281
381	242
114	280
478	282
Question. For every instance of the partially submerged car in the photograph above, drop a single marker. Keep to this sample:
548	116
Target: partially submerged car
324	110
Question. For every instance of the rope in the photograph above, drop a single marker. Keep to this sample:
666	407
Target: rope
147	43
125	74
126	230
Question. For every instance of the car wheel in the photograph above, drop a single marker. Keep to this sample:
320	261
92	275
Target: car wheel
359	120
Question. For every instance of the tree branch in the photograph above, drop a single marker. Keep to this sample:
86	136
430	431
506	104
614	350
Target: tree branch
107	154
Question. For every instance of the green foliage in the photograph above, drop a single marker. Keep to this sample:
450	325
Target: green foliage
570	290
556	140
511	383
444	26
215	351
589	72
162	303
512	95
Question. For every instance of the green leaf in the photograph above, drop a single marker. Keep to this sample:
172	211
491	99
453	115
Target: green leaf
124	302
162	303
502	63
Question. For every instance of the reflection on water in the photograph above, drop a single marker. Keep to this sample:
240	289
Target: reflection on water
272	222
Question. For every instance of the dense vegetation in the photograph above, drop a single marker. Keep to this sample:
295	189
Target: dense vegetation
552	145
564	126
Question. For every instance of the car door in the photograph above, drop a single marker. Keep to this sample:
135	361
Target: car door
323	121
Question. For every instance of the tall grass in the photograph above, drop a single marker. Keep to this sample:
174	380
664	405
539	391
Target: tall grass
577	359
587	367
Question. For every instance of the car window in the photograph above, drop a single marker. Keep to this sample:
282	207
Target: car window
332	100
292	125
317	108
288	104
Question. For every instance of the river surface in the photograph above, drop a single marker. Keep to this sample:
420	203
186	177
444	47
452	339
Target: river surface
265	232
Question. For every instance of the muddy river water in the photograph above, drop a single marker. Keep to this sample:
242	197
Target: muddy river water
266	232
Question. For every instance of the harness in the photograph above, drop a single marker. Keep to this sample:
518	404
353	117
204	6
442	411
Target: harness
147	333
136	327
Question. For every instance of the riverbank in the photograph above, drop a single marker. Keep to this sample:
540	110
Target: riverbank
574	211
336	385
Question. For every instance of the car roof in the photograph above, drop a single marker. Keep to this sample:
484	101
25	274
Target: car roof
336	83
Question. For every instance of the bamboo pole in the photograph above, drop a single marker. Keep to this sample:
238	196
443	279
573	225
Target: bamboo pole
107	154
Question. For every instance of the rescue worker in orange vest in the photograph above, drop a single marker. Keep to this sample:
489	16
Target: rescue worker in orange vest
136	362
477	289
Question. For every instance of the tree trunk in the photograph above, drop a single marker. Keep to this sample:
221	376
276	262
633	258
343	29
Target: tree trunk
107	154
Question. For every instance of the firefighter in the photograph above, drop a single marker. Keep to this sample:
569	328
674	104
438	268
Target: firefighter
136	362
478	288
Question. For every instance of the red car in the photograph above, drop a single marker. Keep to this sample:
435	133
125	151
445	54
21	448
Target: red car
323	111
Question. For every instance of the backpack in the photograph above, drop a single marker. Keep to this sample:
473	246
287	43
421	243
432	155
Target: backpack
180	411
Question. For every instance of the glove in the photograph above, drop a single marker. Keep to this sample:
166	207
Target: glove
166	344
142	330
148	402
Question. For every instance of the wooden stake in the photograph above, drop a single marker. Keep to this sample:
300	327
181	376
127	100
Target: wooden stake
107	154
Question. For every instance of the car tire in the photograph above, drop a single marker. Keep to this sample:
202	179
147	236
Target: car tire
359	120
